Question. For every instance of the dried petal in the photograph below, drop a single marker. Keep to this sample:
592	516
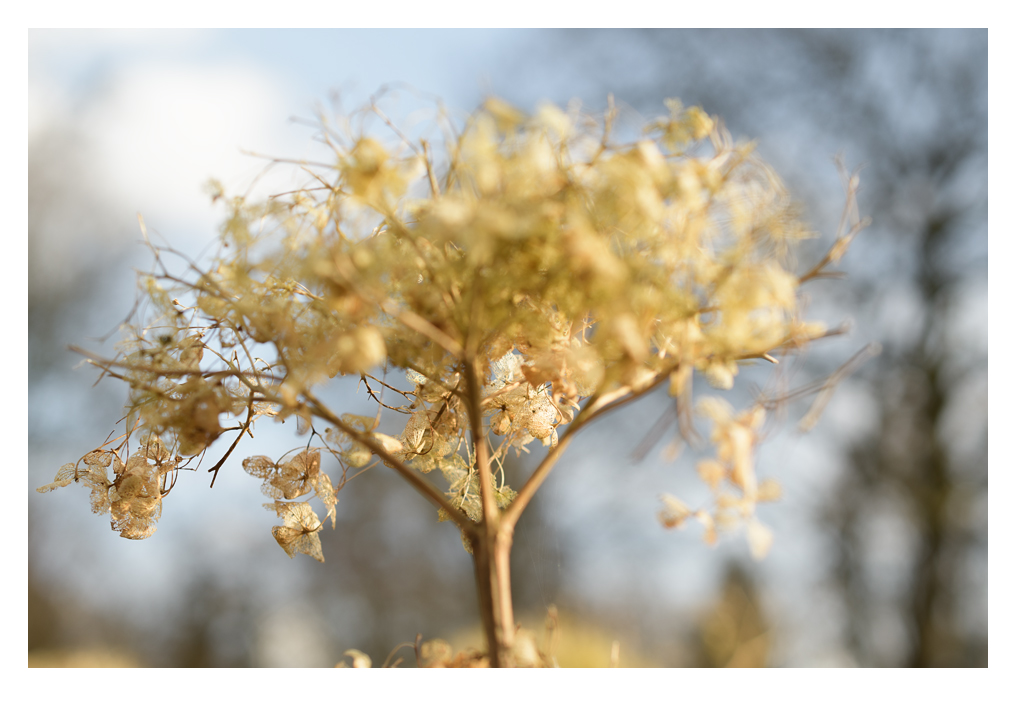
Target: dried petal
709	527
390	444
435	653
99	457
358	657
675	512
711	471
63	477
769	490
326	494
260	466
760	538
299	532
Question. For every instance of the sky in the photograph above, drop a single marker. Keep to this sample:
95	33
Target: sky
154	115
157	113
163	111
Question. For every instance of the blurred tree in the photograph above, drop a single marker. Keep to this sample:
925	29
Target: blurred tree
215	626
733	631
43	617
391	572
911	106
64	218
74	250
64	632
66	251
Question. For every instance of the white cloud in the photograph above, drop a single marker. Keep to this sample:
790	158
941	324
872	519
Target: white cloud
160	131
154	132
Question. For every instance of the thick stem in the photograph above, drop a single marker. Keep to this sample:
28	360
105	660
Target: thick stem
491	556
492	545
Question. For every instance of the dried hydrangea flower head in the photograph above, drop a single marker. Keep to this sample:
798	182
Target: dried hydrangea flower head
524	274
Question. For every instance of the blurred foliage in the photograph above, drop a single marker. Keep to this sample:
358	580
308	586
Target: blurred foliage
733	630
81	658
912	106
536	273
569	640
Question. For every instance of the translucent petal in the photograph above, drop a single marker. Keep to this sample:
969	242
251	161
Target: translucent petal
99	457
760	539
260	466
63	477
675	512
326	494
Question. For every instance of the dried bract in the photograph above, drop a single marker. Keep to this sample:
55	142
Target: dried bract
299	532
492	289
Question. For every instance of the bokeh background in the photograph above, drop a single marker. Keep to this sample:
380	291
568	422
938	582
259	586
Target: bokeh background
881	544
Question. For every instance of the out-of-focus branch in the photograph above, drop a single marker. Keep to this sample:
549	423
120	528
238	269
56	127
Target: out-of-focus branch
596	406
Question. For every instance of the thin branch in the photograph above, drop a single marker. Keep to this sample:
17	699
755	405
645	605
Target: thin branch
379	401
827	387
392	654
515	509
296	162
835	252
595	407
214	470
105	364
409	318
390	387
412	477
378	112
430	169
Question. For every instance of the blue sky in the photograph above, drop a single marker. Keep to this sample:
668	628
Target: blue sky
156	113
164	110
153	115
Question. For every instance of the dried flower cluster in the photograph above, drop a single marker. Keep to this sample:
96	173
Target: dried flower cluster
133	499
528	277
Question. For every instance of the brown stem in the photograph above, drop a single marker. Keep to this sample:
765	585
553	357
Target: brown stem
214	470
409	475
491	557
518	505
492	545
597	406
492	539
